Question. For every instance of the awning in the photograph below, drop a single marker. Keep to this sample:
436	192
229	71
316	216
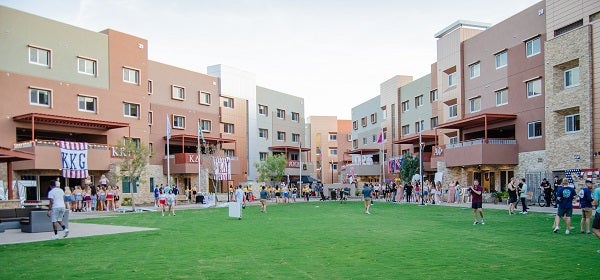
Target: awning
308	179
8	155
477	121
38	118
414	139
286	148
364	151
193	139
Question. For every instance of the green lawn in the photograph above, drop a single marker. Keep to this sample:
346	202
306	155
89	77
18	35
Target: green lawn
315	241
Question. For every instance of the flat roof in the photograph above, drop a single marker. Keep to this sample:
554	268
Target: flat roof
462	23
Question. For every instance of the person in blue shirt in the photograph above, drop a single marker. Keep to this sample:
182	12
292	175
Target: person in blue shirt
263	199
596	223
366	192
564	198
585	203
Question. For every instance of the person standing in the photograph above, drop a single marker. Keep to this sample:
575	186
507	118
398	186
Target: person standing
239	196
155	191
171	202
366	192
523	196
585	203
57	209
477	201
556	186
565	206
263	199
596	223
162	201
547	189
512	196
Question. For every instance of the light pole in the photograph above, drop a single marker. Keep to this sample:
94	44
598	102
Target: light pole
332	171
421	165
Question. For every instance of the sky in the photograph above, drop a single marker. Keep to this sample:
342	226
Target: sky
333	53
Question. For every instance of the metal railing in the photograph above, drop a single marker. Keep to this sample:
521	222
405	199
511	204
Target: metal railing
493	141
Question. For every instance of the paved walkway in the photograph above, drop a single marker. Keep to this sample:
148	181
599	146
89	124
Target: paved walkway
15	236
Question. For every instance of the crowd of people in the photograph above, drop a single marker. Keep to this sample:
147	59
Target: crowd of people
88	198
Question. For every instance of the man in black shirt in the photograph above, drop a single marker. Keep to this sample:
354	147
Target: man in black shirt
547	189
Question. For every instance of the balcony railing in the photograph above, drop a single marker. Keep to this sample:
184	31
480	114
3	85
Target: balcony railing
47	155
492	141
53	143
478	151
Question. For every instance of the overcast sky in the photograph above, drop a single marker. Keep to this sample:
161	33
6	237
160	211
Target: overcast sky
334	54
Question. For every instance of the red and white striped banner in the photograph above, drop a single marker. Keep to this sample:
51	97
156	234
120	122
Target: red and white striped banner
222	167
74	159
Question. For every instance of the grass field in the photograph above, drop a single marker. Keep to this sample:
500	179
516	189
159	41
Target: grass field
315	241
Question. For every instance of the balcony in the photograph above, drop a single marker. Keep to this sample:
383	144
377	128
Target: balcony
187	163
48	156
363	169
478	151
293	168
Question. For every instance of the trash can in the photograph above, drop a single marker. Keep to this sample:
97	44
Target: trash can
333	195
200	199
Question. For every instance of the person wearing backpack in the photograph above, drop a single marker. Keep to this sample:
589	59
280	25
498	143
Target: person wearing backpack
585	202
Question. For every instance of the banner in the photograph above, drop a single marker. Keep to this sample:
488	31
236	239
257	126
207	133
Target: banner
394	165
222	168
74	159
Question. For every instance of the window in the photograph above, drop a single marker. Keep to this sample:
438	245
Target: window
333	151
452	79
501	97
39	56
568	28
263	110
227	102
501	59
384	113
151	148
334	166
206	125
263	156
419	126
534	88
405	106
131	76
178	122
355	125
405	152
453	140
349	137
281	114
294	156
295	137
228	152
474	70
572	77
475	104
355	144
228	128
453	111
433	122
534	129
280	136
364	140
150	87
150	117
204	98
86	66
131	110
405	129
433	95
363	121
39	97
572	123
595	16
332	136
87	104
419	101
295	116
263	133
533	47
177	92
374	118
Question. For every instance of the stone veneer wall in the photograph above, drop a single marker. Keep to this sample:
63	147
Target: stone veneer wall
568	150
531	162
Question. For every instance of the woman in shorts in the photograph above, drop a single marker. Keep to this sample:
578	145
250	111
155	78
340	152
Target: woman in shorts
110	199
78	198
171	202
162	201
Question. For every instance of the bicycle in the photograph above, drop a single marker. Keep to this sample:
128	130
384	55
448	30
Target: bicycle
542	200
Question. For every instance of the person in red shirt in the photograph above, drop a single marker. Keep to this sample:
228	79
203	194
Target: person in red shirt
476	201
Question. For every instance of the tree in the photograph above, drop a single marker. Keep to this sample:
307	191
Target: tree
271	169
134	159
410	167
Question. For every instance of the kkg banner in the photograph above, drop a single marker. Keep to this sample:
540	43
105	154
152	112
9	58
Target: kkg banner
74	159
222	168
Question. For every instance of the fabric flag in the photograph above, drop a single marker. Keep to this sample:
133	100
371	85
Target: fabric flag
222	168
380	140
168	128
74	159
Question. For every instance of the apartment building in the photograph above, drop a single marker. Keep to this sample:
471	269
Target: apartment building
281	130
367	142
330	138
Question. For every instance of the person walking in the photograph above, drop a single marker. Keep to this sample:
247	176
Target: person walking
162	201
512	196
57	210
239	196
477	201
263	199
171	202
564	197
523	189
585	203
366	192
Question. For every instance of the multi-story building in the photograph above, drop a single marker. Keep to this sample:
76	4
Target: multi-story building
367	142
280	126
330	139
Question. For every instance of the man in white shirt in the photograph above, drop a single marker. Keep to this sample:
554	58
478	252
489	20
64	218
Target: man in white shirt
57	209
239	196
